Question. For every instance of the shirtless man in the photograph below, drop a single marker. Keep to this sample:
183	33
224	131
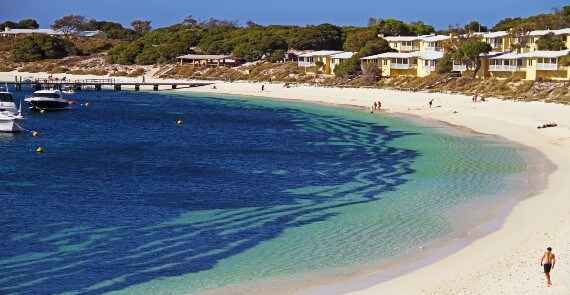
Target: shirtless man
549	260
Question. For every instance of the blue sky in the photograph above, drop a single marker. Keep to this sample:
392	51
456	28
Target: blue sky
438	13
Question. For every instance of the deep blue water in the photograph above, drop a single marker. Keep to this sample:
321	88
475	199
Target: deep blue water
93	213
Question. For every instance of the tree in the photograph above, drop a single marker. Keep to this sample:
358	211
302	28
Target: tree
471	52
190	21
520	34
28	24
349	67
550	42
370	73
141	26
475	26
444	65
69	24
38	47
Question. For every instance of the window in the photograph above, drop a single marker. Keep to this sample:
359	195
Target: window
530	62
385	62
519	62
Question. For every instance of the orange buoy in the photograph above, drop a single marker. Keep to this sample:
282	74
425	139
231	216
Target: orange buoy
86	104
35	134
39	150
42	111
179	122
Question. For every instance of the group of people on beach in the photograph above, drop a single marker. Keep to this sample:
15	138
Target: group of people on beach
474	98
547	125
376	106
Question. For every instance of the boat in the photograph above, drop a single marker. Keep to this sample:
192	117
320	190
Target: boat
68	90
11	119
47	100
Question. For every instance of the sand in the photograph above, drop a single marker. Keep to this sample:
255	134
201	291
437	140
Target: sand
504	261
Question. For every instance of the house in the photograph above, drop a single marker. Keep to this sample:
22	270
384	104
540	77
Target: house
500	41
404	43
530	65
311	58
27	32
337	59
394	64
207	60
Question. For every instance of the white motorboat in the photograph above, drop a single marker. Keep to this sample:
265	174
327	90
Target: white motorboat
11	119
47	100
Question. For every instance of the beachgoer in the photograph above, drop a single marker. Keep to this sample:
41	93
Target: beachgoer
548	260
475	98
214	87
379	105
483	97
372	110
262	87
143	79
430	103
375	105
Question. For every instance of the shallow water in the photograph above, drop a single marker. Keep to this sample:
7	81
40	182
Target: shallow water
124	199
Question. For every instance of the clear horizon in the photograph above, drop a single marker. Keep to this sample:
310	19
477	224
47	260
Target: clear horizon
439	13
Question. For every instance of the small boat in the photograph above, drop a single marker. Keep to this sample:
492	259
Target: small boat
11	122
68	90
11	119
47	100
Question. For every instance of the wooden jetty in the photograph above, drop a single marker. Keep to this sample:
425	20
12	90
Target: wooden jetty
96	84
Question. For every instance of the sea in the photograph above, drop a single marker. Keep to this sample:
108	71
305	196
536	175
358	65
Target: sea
245	192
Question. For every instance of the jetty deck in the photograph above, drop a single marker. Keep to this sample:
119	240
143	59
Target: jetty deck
96	84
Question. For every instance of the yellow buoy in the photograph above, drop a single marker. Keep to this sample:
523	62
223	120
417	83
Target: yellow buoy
35	134
179	122
39	150
42	111
86	104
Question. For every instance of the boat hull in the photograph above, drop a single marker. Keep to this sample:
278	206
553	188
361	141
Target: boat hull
38	105
11	124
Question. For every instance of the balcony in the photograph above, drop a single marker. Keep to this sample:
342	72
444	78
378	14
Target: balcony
547	67
305	64
459	68
429	68
503	68
401	66
434	48
409	48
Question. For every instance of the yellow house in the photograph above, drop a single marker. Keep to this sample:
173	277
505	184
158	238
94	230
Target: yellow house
337	59
433	42
404	43
564	35
530	65
309	59
500	41
394	64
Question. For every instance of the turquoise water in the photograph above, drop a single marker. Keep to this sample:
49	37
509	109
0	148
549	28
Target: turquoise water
245	191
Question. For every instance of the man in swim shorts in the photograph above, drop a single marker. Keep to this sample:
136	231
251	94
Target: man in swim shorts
548	260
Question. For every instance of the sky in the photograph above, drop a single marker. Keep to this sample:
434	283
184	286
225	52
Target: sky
439	13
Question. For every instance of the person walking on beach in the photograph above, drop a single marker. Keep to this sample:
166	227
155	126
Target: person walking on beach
262	87
430	103
379	105
143	79
548	260
475	98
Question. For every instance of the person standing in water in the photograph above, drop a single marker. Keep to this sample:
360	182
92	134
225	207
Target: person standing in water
548	260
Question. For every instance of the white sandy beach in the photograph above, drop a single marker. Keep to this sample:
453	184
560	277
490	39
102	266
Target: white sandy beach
505	261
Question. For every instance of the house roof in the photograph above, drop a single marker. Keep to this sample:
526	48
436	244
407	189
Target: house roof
426	55
49	32
562	31
402	38
205	56
343	55
533	54
435	38
320	53
495	34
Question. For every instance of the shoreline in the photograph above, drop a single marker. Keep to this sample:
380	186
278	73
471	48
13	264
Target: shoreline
504	260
